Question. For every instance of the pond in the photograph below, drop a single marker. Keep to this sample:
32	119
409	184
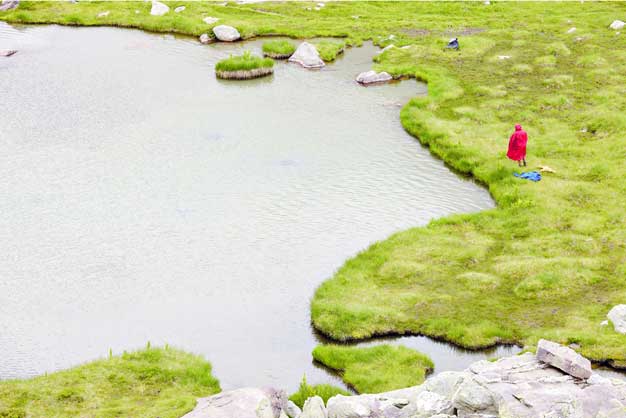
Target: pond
145	200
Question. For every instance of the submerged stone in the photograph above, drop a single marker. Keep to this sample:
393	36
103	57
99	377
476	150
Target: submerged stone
370	77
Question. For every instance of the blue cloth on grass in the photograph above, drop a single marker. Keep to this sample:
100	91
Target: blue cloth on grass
529	175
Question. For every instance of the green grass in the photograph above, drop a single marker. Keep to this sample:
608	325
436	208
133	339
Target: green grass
329	50
375	369
306	391
244	62
155	382
280	47
550	261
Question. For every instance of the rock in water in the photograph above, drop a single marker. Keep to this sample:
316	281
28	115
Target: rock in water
9	5
226	33
158	9
370	77
314	408
563	358
617	24
7	52
617	315
241	403
205	38
209	20
179	9
307	56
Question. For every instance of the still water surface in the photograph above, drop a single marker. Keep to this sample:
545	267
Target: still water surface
144	200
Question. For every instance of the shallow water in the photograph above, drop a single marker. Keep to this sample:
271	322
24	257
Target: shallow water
144	200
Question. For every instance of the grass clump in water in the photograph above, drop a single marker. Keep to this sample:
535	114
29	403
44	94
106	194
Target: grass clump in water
245	62
306	391
329	50
153	382
279	49
375	369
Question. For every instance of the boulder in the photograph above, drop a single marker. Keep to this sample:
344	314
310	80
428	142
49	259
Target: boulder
314	408
179	9
103	14
370	77
7	52
209	20
617	315
241	403
563	358
292	410
617	24
226	33
307	56
158	8
205	38
9	5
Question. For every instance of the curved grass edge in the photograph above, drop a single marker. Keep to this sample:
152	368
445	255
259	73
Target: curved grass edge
244	74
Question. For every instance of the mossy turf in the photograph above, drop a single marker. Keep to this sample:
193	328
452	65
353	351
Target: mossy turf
155	382
245	62
306	391
550	261
329	50
279	48
375	369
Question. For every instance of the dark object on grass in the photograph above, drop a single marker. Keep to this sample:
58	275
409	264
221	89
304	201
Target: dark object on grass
529	175
7	52
453	44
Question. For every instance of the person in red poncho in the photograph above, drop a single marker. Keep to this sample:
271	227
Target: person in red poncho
517	146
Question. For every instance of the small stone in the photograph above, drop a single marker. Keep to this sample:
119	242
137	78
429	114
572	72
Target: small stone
604	323
563	358
617	25
617	315
209	20
370	77
292	410
179	9
320	5
571	30
205	38
314	408
486	2
355	17
103	14
226	33
388	47
504	57
158	9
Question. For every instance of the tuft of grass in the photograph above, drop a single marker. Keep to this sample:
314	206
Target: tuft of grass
278	48
306	391
245	62
329	50
375	369
161	382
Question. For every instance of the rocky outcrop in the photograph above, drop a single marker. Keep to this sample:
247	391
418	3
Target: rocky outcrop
371	77
241	403
7	52
617	315
617	25
158	8
307	56
226	33
9	5
563	358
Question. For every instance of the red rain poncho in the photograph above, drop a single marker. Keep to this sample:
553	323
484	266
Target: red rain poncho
517	144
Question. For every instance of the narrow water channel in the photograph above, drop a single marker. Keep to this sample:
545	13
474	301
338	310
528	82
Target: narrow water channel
145	200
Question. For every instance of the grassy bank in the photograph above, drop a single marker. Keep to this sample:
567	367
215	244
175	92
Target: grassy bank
375	369
155	382
550	261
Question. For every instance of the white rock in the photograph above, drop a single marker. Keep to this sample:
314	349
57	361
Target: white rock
307	56
486	2
504	57
617	315
209	20
292	410
432	403
340	406
388	47
474	397
9	5
563	358
240	403
136	12
571	30
617	25
321	4
314	408
158	8
372	76
226	33
605	322
103	14
205	38
179	9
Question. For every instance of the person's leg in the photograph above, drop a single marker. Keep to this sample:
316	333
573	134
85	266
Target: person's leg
524	159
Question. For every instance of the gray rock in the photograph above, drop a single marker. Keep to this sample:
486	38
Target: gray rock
431	403
473	397
7	52
370	77
226	33
563	358
158	8
617	315
292	410
209	20
307	56
366	406
314	408
9	5
205	38
617	25
179	9
241	403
